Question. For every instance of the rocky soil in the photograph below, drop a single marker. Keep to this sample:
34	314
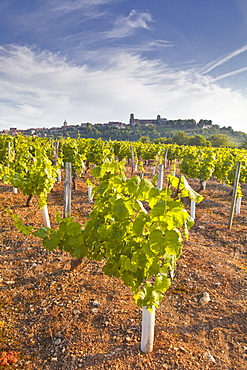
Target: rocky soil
54	318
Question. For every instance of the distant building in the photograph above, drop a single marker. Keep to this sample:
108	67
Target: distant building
158	121
116	124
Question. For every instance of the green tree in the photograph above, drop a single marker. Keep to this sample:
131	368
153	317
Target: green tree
220	140
199	140
243	145
144	139
180	138
161	140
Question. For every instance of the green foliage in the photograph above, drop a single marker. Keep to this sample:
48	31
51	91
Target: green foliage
198	163
180	138
199	140
220	140
144	139
19	224
134	227
243	145
30	167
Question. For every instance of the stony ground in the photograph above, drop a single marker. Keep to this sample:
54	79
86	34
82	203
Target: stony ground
53	318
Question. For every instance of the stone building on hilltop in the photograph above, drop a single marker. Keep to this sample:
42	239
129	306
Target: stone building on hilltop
158	121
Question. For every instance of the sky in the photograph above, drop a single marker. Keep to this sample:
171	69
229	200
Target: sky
100	60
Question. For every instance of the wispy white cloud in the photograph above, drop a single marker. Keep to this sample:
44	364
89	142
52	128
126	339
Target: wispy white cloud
71	5
229	74
42	89
61	7
222	60
125	26
161	43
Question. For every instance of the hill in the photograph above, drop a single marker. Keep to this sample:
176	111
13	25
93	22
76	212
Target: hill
152	132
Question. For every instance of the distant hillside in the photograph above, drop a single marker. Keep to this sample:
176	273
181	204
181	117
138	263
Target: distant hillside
154	132
145	132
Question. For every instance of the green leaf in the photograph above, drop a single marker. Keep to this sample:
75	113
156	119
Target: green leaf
139	224
41	233
133	185
120	210
51	243
162	283
159	209
144	187
156	240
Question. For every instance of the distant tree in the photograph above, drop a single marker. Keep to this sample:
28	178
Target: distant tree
243	145
162	140
199	140
190	123
145	139
180	138
220	140
206	122
89	128
229	129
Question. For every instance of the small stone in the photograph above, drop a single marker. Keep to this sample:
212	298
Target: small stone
57	341
208	356
205	298
183	349
96	303
10	282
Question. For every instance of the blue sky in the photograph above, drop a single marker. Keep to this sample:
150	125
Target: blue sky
100	60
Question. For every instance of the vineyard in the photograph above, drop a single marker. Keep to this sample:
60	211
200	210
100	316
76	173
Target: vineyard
85	248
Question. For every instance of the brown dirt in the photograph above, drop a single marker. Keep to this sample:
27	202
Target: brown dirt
57	319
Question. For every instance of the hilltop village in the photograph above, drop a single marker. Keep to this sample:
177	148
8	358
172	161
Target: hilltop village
89	129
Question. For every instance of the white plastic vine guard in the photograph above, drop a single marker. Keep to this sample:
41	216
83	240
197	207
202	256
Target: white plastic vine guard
59	176
89	191
238	205
45	215
193	209
147	336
